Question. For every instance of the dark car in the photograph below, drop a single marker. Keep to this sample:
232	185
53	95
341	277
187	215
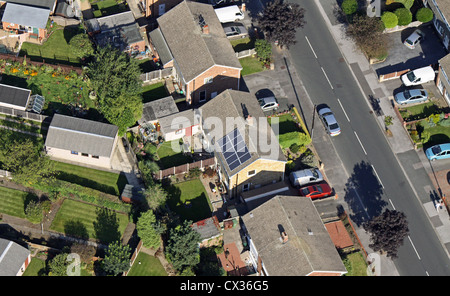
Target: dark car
316	191
235	30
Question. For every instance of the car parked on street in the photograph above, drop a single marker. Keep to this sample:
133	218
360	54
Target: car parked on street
316	191
411	96
235	30
268	103
441	151
329	121
415	38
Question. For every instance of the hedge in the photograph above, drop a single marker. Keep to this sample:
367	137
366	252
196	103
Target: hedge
404	16
349	6
424	15
389	19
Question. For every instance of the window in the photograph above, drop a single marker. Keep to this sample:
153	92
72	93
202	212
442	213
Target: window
202	96
74	152
208	80
251	173
95	156
179	132
246	187
85	154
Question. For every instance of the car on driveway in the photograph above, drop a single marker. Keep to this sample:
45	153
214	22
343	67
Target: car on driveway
268	103
329	121
411	96
235	30
418	76
415	38
441	151
316	191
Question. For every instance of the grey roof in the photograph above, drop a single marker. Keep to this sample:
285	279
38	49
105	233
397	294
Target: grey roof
309	247
177	121
207	228
49	4
445	64
132	192
194	51
26	15
237	104
14	95
161	46
81	135
157	109
12	257
444	7
119	30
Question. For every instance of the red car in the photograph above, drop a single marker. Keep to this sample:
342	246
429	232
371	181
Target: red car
316	191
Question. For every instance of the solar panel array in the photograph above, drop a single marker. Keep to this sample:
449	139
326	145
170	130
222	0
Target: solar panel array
234	149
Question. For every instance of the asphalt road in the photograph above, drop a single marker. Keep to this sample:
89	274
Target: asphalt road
375	180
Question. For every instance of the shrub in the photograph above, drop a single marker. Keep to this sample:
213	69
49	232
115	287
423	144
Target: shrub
349	6
294	148
389	19
407	3
424	15
33	212
287	139
404	16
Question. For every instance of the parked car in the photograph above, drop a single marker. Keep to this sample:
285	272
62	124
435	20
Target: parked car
411	96
235	30
230	13
329	121
441	151
415	38
306	176
268	103
418	76
316	191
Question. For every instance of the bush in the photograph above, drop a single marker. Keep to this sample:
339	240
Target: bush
33	212
424	15
349	6
294	148
389	19
407	3
287	139
404	16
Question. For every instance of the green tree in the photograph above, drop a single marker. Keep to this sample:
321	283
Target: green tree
404	16
148	168
146	231
424	15
389	19
58	265
263	50
182	247
155	196
33	212
81	45
349	6
117	258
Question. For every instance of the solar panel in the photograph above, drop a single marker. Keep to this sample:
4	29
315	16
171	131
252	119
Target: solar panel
234	149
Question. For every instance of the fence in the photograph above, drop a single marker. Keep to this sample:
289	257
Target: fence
133	257
23	114
393	75
5	174
245	53
184	168
156	75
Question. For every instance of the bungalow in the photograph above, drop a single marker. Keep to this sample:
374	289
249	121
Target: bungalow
82	141
287	237
191	40
20	19
14	259
443	78
246	149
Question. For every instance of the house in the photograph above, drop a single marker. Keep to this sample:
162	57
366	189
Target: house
84	142
443	78
287	237
47	4
119	30
441	20
191	40
21	19
14	259
156	8
179	125
246	149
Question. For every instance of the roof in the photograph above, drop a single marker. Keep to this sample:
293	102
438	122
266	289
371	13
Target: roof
237	105
309	247
12	257
339	235
26	15
49	4
161	46
194	51
81	135
158	108
444	7
12	95
207	228
132	192
445	64
177	121
119	30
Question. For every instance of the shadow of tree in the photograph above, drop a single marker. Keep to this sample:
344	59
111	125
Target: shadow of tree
363	194
76	228
106	226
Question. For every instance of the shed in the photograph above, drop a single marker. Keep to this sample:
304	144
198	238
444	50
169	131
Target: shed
154	110
132	194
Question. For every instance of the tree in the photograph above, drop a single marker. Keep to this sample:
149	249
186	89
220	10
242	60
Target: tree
349	6
122	111
182	247
404	16
58	265
81	45
389	19
280	20
33	212
117	258
263	50
155	196
148	168
424	15
387	231
146	231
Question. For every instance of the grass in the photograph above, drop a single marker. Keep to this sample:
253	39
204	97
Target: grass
422	110
242	44
13	202
104	181
189	200
286	124
168	157
355	264
88	221
107	7
250	65
36	267
149	266
152	92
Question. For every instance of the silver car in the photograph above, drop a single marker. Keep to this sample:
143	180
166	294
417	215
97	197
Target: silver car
329	121
411	96
268	103
235	30
415	38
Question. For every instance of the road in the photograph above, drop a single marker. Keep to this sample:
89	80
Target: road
375	179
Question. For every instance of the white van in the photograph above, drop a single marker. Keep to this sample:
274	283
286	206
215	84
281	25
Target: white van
304	177
229	14
418	76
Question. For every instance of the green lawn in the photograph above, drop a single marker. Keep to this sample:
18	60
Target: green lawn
250	65
286	124
107	7
153	92
189	200
149	266
12	201
36	268
242	44
422	110
355	264
170	158
88	221
104	181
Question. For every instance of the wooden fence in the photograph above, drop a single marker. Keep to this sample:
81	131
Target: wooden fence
184	168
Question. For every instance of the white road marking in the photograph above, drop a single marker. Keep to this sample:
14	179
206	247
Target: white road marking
379	180
392	204
326	77
360	143
345	113
414	247
307	40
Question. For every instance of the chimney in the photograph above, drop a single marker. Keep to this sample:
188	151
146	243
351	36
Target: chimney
205	29
249	120
284	237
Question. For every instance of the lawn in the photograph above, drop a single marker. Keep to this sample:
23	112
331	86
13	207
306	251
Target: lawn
168	157
107	7
153	92
36	268
286	124
189	200
149	266
88	221
108	182
250	65
355	264
242	44
420	110
12	201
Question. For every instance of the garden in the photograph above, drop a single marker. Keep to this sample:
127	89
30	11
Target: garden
102	8
146	265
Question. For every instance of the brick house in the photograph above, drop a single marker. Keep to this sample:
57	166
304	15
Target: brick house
246	149
191	39
443	77
156	8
